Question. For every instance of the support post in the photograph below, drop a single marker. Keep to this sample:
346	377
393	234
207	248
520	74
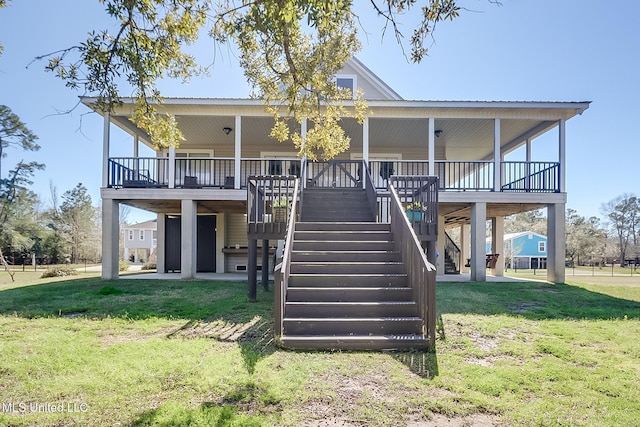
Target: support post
105	149
556	246
465	235
432	147
497	244
172	166
189	239
110	238
497	180
252	274
265	264
562	154
238	153
479	242
161	245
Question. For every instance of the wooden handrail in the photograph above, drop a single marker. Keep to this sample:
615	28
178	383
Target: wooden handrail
421	274
282	270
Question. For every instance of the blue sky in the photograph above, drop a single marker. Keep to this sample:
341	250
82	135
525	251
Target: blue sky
525	50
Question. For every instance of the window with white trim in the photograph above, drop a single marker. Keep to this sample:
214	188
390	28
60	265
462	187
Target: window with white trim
130	234
141	236
347	81
542	246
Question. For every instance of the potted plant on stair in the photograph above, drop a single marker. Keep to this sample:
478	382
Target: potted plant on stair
279	209
415	211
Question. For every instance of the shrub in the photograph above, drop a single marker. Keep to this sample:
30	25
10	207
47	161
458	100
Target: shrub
149	266
123	265
59	272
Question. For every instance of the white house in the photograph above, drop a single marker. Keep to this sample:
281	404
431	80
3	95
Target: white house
140	241
199	191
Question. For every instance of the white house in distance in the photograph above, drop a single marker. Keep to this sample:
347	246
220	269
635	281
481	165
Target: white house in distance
199	191
140	241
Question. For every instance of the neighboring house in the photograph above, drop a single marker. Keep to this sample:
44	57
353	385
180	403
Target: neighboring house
524	250
140	241
199	190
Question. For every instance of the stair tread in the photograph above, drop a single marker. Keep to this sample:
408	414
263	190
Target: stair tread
351	302
386	337
352	319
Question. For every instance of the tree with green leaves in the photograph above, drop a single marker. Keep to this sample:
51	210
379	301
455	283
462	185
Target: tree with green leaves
14	133
585	238
624	214
76	221
290	51
17	229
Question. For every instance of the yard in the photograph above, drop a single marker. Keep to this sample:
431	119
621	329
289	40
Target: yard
171	353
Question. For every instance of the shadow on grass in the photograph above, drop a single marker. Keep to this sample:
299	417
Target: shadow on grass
209	414
137	300
532	300
422	363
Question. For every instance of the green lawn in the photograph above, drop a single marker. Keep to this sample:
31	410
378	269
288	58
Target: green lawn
173	353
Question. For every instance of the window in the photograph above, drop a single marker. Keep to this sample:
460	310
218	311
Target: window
130	234
346	82
141	237
542	246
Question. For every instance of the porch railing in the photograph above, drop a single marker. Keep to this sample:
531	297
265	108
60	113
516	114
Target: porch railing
204	172
421	274
150	172
531	176
335	173
138	172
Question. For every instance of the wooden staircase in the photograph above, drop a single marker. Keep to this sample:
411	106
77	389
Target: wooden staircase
348	287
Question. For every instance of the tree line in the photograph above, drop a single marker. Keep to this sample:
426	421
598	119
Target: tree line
590	240
68	230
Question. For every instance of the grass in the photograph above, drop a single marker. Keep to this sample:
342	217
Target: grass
175	353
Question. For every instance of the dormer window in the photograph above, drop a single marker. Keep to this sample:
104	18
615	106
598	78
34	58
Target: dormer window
346	82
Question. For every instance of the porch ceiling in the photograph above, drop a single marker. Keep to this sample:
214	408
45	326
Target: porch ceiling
460	213
174	206
467	133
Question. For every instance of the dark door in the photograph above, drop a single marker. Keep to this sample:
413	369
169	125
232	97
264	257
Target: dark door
206	262
172	251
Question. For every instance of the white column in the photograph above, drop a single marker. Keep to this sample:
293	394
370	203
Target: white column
562	154
431	150
440	244
126	253
556	247
465	235
497	182
110	238
497	244
479	242
106	127
136	140
220	239
189	239
527	182
303	160
172	166
238	152
162	244
365	140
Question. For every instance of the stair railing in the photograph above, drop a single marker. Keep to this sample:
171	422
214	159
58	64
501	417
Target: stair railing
283	269
421	274
453	251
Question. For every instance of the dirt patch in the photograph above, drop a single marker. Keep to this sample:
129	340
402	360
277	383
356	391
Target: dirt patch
472	420
524	307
